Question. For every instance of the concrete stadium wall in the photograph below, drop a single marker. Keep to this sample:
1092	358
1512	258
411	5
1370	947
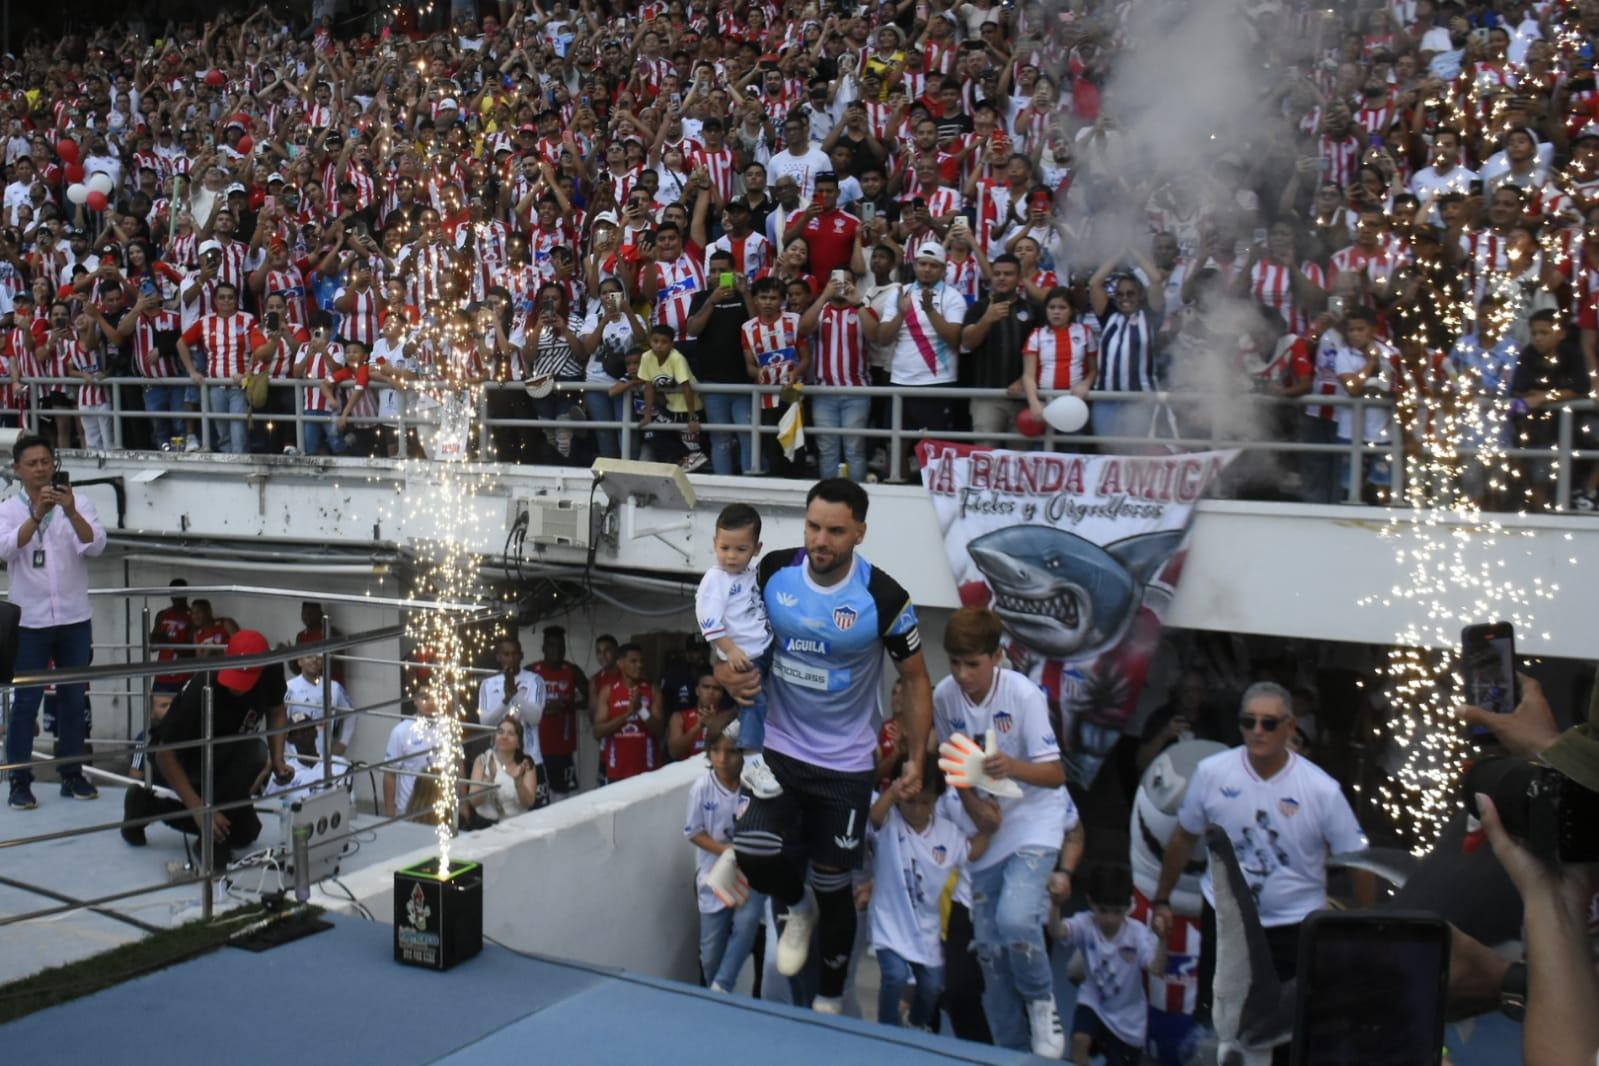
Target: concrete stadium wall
606	878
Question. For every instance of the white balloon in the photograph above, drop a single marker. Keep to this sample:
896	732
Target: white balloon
1066	414
101	182
77	192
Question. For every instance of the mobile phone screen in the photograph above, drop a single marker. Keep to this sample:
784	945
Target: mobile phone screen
1372	988
1488	668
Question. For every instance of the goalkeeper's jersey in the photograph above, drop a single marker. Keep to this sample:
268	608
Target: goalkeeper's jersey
827	665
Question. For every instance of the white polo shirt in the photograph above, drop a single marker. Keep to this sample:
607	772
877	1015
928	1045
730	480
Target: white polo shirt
527	700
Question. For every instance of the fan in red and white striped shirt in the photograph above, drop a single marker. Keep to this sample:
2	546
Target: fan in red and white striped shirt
228	336
838	349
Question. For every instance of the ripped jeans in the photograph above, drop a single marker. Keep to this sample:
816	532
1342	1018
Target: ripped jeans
1010	902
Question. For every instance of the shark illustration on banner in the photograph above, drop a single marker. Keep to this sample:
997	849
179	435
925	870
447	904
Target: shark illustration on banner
1079	555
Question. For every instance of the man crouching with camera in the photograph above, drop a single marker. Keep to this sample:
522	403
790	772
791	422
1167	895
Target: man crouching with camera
1537	804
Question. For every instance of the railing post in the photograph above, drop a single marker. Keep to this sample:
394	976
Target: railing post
206	443
1396	446
1357	452
299	420
327	709
757	453
116	415
207	798
896	454
1563	459
147	682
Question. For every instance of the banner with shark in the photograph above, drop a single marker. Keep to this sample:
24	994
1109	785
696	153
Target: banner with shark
1079	555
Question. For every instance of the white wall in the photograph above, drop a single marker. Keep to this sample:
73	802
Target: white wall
606	878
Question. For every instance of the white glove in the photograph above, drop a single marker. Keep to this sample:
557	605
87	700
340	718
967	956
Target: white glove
962	762
727	881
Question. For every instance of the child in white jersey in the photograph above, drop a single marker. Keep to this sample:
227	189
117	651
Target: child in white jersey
730	915
917	851
1011	881
1112	1006
733	621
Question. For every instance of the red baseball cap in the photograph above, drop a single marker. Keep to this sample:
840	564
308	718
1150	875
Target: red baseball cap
244	642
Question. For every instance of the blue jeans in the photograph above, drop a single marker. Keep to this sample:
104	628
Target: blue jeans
897	974
320	430
841	412
730	409
165	399
1010	901
726	939
605	408
69	647
232	436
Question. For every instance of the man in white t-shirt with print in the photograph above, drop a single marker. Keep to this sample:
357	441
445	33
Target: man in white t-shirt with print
1025	862
1284	815
519	691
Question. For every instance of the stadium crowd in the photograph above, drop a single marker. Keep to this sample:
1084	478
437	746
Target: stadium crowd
613	211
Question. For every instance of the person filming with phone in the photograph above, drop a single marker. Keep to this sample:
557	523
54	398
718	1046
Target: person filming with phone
46	533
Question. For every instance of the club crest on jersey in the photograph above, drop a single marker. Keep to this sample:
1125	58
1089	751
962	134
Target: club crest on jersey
1231	792
1289	806
845	617
939	852
1003	721
1128	953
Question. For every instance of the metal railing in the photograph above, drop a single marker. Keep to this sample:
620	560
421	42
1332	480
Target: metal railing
207	742
1177	421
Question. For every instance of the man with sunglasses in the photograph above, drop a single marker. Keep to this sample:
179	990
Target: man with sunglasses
1284	814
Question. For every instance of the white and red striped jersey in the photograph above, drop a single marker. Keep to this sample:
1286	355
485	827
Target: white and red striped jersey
1062	354
915	241
487	245
234	256
944	200
289	283
360	323
993	200
678	283
75	356
964	277
318	116
183	251
542	241
751	254
1339	159
939	56
228	341
316	367
1270	285
719	164
1486	251
1378	266
432	267
1377	120
622	183
652	73
145	354
840	347
775	348
279	363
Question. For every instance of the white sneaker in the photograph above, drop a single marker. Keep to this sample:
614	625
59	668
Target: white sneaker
693	461
719	989
1049	1039
828	1004
726	882
794	946
732	731
758	777
191	443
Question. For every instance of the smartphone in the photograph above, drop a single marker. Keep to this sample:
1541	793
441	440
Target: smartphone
271	203
1371	989
868	212
61	479
613	300
1337	305
270	320
841	276
1488	669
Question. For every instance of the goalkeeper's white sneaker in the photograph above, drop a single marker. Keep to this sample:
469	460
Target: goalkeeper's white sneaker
723	879
758	777
794	946
732	731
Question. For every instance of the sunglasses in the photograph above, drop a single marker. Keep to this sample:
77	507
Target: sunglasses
1248	722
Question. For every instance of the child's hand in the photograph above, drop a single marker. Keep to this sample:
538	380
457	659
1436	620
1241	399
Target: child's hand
863	895
740	662
1060	886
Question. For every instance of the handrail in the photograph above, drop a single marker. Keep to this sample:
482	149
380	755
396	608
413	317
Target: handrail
287	594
